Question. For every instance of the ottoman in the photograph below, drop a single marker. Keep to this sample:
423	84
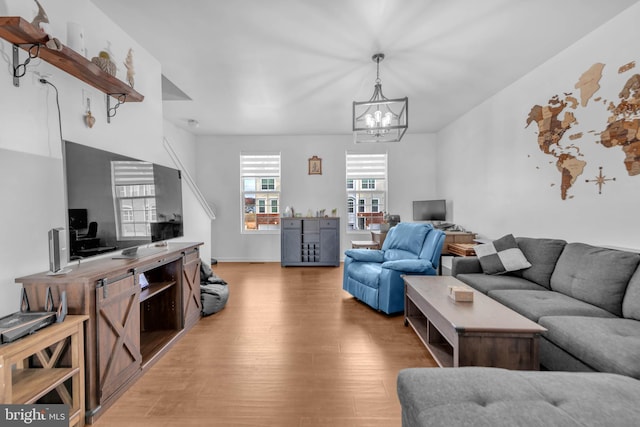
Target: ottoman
476	396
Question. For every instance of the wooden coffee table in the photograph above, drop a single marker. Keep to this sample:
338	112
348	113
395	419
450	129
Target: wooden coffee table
478	333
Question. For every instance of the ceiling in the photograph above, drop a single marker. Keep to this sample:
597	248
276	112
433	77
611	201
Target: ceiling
294	67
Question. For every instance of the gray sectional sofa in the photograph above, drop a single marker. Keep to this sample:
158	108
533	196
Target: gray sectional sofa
588	299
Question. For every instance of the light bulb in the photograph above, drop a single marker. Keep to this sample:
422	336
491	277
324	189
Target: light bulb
386	121
368	119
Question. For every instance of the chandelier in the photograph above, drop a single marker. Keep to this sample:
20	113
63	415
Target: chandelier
379	119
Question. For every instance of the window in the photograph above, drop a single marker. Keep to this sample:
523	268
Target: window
375	205
134	201
260	188
366	184
268	184
369	184
262	203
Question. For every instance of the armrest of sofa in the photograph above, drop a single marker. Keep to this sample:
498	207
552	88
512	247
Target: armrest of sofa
365	255
465	265
419	266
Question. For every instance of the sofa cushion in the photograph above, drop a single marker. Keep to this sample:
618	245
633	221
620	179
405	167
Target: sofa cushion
536	304
554	358
631	301
543	255
365	255
501	255
465	265
406	236
474	396
432	247
485	283
595	275
398	254
414	266
607	345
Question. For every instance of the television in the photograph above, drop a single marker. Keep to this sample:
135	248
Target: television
118	203
429	210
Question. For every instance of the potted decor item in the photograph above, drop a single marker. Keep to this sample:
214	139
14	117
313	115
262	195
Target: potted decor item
104	62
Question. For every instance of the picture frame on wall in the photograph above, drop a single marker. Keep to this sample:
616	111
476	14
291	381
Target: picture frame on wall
315	166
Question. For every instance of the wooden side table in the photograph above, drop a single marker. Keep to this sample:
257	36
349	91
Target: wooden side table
462	249
34	366
378	236
456	237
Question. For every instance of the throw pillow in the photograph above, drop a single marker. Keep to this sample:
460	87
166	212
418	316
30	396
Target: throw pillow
501	256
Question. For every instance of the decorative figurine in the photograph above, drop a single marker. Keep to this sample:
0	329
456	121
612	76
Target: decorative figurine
53	44
41	17
128	62
89	120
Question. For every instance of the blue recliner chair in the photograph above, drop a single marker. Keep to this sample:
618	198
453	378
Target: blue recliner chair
374	276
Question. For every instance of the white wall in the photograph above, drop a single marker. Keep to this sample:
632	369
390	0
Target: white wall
490	166
197	224
412	165
32	190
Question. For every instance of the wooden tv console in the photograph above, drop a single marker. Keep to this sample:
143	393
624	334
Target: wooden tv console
128	328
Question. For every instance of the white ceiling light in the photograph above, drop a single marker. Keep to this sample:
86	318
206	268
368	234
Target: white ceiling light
380	119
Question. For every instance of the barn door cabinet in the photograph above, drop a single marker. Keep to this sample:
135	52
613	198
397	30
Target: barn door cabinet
129	327
191	302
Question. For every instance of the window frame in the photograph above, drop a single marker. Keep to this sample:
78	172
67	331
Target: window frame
264	170
370	184
375	205
130	187
367	187
270	184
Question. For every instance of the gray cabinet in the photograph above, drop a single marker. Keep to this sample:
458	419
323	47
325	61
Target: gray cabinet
310	242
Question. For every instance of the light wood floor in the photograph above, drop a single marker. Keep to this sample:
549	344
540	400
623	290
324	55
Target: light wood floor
291	348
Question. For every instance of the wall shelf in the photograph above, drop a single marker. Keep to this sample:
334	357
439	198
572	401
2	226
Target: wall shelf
154	289
32	384
21	33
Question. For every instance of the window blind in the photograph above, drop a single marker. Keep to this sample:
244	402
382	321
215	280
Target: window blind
260	165
366	166
132	172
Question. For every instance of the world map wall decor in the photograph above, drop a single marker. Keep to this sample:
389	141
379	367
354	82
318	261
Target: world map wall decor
556	119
